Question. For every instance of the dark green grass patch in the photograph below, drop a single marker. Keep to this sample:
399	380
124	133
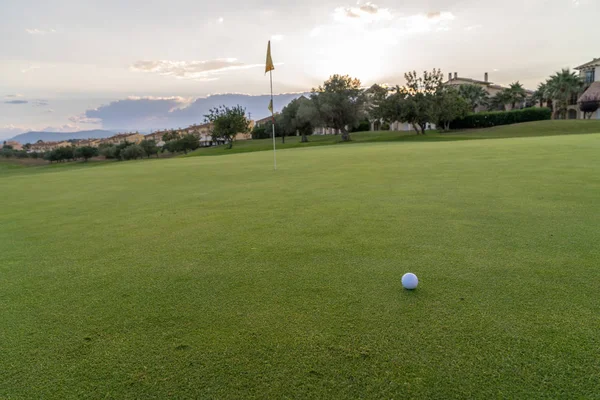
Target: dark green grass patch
529	129
217	277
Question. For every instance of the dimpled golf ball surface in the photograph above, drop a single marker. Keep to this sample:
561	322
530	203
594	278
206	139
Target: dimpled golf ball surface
410	281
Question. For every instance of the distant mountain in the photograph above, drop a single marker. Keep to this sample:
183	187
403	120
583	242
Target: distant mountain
32	137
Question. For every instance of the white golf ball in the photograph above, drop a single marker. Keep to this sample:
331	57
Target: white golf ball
410	281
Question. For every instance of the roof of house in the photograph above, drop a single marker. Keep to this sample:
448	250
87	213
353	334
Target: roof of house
594	63
468	80
476	81
591	94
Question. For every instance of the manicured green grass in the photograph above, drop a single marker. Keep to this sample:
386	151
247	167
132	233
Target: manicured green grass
529	129
217	277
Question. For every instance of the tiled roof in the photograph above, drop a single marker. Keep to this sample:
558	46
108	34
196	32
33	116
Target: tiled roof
591	94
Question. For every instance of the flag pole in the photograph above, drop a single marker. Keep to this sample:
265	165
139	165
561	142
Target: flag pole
273	123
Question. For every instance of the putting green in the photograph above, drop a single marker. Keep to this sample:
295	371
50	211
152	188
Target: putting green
217	277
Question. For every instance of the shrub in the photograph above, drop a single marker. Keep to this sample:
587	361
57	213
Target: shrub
7	152
108	151
86	152
496	118
363	126
259	132
132	152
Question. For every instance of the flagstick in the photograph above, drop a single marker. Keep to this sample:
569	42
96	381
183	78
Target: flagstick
273	123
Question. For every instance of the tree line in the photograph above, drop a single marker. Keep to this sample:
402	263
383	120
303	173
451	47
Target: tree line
343	104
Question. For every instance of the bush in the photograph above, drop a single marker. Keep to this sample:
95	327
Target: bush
496	118
108	151
86	152
363	126
260	132
132	152
7	152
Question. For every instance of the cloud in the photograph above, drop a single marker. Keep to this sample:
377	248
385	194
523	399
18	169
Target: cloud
368	12
16	102
82	119
145	113
8	131
11	96
62	128
196	70
39	103
473	27
40	32
30	68
277	38
372	23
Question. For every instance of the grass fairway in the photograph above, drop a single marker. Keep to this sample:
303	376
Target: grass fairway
528	129
216	277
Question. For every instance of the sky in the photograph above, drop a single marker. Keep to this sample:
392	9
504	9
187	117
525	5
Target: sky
68	65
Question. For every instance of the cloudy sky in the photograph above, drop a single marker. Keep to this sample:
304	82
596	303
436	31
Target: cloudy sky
88	64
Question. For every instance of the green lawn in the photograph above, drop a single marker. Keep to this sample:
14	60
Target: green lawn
217	277
529	129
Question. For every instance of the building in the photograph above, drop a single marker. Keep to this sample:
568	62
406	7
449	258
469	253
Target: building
491	88
42	147
14	144
590	74
124	137
88	142
262	122
156	136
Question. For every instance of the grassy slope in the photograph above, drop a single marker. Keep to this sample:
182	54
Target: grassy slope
530	129
219	278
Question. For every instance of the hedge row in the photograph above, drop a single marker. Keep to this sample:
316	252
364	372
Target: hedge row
495	118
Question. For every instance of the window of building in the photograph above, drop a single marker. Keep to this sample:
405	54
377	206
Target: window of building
590	76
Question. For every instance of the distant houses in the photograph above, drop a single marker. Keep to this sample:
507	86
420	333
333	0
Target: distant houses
202	132
14	144
42	147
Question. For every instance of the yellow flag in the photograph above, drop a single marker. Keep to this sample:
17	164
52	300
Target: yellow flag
271	106
270	66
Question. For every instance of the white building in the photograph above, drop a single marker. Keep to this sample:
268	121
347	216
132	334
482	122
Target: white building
590	73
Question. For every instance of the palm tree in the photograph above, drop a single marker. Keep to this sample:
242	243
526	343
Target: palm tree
515	93
476	95
541	94
560	88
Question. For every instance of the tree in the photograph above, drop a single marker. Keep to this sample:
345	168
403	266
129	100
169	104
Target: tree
228	122
340	103
171	135
375	97
109	151
279	128
189	143
498	101
7	152
448	106
132	152
300	115
150	147
561	87
415	102
65	153
515	94
86	152
476	95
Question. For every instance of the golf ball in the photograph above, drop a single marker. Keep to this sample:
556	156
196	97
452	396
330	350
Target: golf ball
410	281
